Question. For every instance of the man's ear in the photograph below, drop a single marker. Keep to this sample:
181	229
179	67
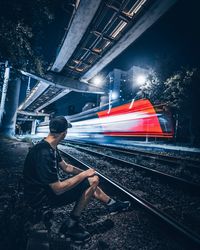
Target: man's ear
64	133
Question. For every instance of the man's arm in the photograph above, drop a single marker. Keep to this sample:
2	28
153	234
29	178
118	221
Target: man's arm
60	187
69	168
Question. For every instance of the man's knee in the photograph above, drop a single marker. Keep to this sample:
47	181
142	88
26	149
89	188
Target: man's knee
94	181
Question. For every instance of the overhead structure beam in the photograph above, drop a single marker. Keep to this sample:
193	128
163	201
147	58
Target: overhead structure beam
82	18
157	9
73	84
63	93
38	90
21	112
25	119
65	82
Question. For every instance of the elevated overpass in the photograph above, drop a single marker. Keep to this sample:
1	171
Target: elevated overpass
96	34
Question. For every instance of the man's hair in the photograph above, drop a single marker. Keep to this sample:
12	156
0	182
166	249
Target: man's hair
58	124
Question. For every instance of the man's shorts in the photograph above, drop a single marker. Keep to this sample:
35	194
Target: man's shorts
67	197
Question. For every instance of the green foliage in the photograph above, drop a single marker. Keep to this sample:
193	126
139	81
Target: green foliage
181	93
181	89
152	89
21	25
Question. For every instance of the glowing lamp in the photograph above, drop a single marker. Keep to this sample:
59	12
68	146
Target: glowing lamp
114	95
97	80
141	79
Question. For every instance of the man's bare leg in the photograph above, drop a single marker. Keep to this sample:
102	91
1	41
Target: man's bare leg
84	200
95	191
72	225
101	196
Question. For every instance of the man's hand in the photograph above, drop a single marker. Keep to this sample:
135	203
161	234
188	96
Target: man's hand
89	173
60	187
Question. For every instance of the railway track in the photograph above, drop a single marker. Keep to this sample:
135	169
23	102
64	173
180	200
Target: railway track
190	163
160	191
188	234
188	185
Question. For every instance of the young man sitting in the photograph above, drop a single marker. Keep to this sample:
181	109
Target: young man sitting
43	185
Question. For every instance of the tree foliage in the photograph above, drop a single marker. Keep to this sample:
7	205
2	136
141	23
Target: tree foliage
180	92
152	89
22	25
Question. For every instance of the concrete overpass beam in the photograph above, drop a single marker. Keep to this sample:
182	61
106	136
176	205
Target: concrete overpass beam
157	9
82	18
65	82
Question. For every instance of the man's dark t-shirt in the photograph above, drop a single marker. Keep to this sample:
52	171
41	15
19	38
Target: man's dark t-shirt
40	169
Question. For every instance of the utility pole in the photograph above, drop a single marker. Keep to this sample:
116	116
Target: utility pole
4	90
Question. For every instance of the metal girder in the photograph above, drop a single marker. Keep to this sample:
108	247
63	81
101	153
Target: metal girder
157	9
81	20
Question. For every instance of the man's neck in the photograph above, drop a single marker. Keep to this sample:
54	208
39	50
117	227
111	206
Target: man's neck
52	141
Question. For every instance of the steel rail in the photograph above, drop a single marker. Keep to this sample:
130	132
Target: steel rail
167	158
177	226
194	186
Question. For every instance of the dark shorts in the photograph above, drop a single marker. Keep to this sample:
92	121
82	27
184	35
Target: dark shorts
46	197
69	196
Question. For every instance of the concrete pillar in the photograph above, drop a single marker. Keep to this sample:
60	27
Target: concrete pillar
11	105
33	127
4	91
104	99
46	118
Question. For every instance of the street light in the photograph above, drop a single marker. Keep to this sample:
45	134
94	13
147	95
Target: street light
141	79
114	95
97	80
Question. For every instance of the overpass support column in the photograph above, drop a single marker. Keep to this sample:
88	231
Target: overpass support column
46	118
33	128
4	90
11	105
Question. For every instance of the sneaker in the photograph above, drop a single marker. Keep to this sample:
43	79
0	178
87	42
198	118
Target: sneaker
75	231
118	206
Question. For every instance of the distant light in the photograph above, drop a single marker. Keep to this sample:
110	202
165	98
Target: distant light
114	95
97	80
141	79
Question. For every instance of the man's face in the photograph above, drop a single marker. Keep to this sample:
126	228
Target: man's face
64	134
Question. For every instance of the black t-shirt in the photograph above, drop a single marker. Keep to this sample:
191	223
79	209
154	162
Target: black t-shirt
40	169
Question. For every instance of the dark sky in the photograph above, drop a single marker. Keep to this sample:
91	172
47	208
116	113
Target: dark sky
173	41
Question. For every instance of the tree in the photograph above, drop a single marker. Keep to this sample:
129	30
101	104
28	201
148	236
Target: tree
22	24
182	91
152	88
23	28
